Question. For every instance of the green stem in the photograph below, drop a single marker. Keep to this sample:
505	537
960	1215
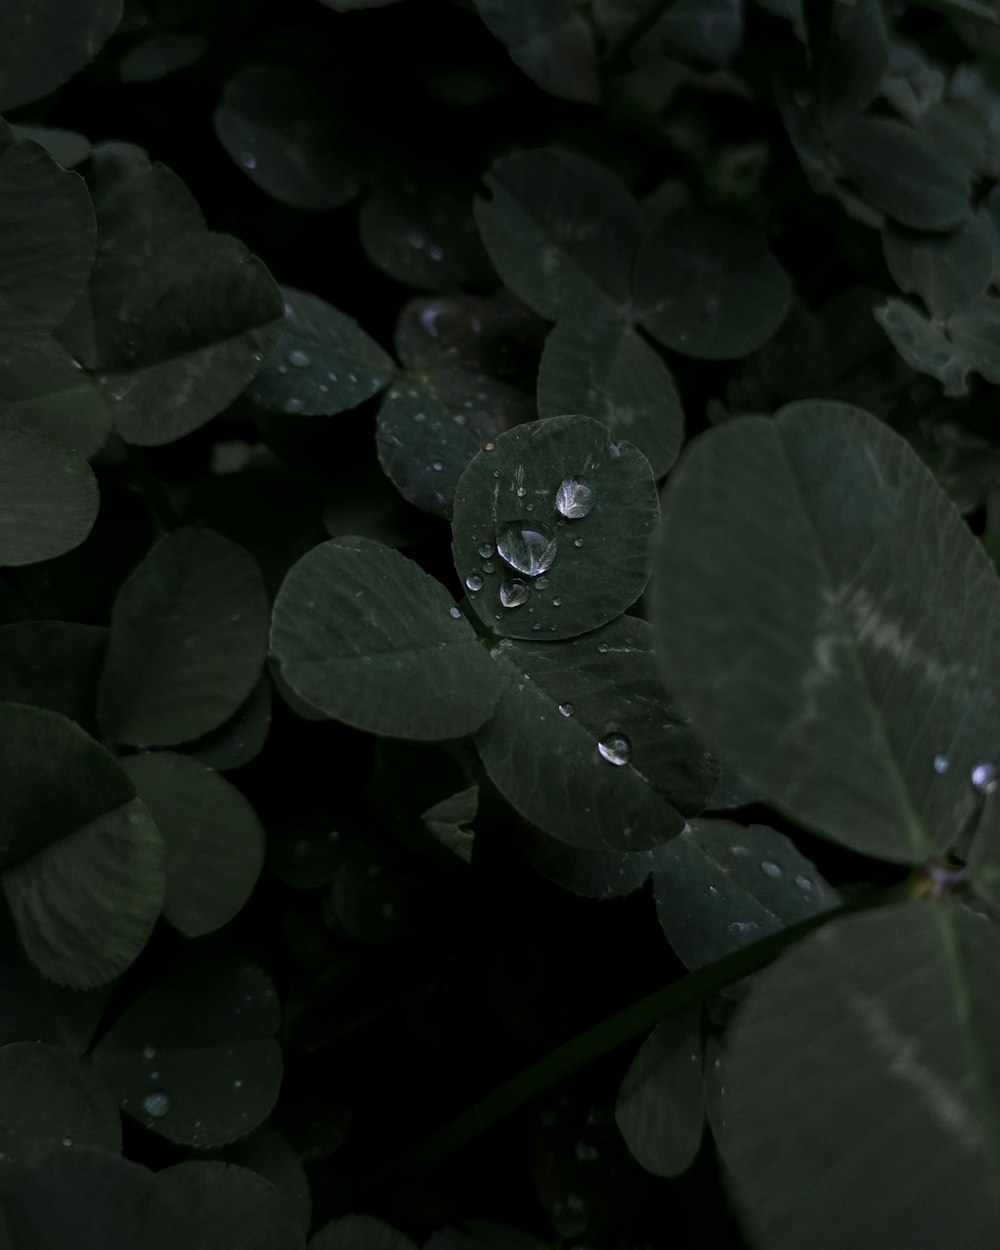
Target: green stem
607	1036
151	487
619	52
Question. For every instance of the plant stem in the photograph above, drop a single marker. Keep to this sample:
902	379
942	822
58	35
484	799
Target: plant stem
151	487
608	1035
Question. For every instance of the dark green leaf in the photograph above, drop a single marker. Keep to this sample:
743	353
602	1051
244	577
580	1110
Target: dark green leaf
925	345
188	635
947	271
607	370
707	286
586	745
43	43
661	1103
550	41
66	147
240	739
53	664
44	391
450	821
851	51
707	32
359	1232
366	636
837	1047
799	545
269	1154
193	1056
153	58
214	841
423	237
532	569
560	231
278	126
591	874
47	235
900	171
720	886
48	499
82	864
49	1099
324	363
231	1207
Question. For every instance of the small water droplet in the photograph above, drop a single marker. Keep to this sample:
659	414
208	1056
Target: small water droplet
292	404
744	928
541	583
537	625
941	764
602	647
738	850
154	1076
487	566
574	498
149	1052
283	370
713	890
615	748
566	709
527	546
437	466
474	583
248	160
299	358
577	542
157	1104
557	602
416	239
67	1141
489	447
770	869
456	612
514	593
984	777
804	883
521	492
238	1083
435	252
485	551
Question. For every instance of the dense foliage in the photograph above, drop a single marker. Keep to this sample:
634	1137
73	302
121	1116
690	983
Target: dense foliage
497	507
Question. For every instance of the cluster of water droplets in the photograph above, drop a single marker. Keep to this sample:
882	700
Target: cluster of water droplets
984	775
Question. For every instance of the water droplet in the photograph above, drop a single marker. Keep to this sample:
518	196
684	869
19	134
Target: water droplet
738	850
435	252
455	612
984	777
283	370
941	764
557	602
574	498
541	583
154	1076
744	928
713	890
577	542
248	160
238	1083
527	546
299	358
585	1152
521	492
488	566
67	1141
514	593
416	239
474	583
489	447
485	551
615	748
437	466
566	709
804	883
537	625
157	1104
602	647
770	869
149	1052
292	404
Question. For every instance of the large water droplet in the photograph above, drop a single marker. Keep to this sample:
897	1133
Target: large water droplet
157	1104
566	709
474	583
941	764
984	777
574	498
527	546
514	593
615	748
770	869
299	358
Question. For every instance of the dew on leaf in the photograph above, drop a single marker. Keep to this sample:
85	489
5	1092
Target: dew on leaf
984	777
566	709
474	583
574	498
577	542
615	748
602	647
486	551
557	602
770	869
299	358
157	1104
248	160
804	883
292	404
527	546
744	928
455	612
941	764
514	593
